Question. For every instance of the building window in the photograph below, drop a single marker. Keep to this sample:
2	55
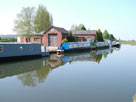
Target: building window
20	48
31	48
27	40
37	39
52	30
1	49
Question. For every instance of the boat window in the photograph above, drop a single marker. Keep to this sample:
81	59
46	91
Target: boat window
1	49
20	48
31	48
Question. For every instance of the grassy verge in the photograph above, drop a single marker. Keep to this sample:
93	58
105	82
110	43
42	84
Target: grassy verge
129	42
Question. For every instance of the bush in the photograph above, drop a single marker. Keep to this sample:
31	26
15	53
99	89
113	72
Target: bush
64	40
4	39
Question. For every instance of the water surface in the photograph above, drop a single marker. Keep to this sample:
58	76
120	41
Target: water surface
107	75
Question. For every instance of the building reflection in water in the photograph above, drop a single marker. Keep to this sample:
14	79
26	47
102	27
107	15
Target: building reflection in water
32	72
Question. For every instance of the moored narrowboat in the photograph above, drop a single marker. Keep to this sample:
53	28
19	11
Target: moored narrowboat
73	47
15	51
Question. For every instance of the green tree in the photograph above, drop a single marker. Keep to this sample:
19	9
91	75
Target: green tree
43	20
79	27
106	35
24	21
99	36
112	37
71	38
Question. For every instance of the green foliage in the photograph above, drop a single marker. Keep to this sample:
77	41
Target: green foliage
112	37
64	40
105	55
27	22
38	76
24	21
43	20
98	58
71	38
99	36
4	39
79	27
106	35
129	42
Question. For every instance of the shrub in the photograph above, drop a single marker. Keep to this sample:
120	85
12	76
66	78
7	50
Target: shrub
64	40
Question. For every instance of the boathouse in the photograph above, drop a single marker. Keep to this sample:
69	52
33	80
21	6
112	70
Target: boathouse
51	37
54	36
84	35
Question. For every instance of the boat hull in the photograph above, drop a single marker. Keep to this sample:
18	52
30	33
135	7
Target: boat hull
19	58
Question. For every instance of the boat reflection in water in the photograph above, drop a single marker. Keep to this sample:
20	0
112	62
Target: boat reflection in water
94	56
32	72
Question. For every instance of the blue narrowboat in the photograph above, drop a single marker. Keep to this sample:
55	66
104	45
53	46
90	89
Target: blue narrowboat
73	46
11	51
78	46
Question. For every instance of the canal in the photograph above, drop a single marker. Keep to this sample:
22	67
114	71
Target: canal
107	75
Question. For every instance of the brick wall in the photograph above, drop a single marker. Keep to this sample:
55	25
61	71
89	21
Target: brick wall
33	39
45	37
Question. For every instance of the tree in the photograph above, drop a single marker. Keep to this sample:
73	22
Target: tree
79	27
73	27
43	20
71	38
24	21
106	35
112	37
99	36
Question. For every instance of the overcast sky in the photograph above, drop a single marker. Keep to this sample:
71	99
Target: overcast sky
117	16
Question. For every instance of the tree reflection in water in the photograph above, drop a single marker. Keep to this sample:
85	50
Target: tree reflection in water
34	77
36	71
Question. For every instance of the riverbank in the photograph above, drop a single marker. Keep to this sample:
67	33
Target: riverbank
128	42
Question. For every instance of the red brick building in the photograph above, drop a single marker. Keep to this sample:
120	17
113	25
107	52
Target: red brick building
36	38
54	36
84	35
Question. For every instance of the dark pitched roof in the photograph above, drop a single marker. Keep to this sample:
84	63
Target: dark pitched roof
62	30
91	32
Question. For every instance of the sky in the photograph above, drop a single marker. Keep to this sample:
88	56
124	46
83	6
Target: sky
117	16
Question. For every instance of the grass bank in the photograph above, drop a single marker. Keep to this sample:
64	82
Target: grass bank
128	42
